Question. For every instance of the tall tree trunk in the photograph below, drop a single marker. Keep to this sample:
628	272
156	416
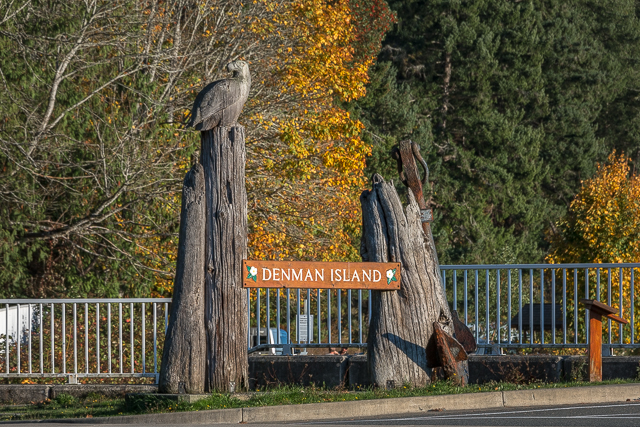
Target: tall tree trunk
183	360
446	84
401	325
223	158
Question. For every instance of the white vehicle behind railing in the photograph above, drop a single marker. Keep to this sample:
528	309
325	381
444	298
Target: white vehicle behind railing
14	322
74	338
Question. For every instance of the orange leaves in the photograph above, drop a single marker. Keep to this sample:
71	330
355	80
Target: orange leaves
307	160
324	64
603	226
317	39
603	223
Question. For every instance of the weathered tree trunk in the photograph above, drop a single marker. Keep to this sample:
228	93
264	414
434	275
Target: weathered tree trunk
223	159
183	360
401	324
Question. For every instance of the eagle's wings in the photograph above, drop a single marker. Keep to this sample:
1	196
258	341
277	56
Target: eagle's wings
220	103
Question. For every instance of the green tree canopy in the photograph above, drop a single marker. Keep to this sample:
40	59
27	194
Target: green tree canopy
512	104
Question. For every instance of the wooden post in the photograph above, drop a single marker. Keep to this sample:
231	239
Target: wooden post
596	311
402	323
407	154
223	159
183	359
595	347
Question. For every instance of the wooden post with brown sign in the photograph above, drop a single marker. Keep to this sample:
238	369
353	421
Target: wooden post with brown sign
597	310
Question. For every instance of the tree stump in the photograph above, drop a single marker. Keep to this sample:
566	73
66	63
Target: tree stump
223	159
183	360
401	346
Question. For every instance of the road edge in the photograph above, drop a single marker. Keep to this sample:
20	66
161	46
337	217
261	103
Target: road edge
375	407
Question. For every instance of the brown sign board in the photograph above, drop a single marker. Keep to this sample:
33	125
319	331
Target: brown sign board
324	275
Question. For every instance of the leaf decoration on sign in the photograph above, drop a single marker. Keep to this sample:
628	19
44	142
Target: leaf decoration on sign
253	273
391	276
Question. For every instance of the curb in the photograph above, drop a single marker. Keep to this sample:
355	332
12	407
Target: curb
375	407
216	416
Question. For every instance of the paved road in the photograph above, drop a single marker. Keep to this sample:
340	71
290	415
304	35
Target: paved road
604	415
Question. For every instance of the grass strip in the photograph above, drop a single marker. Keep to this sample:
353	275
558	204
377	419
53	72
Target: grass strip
95	405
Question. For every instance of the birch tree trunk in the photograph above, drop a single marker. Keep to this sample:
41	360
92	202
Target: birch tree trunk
223	159
401	325
183	360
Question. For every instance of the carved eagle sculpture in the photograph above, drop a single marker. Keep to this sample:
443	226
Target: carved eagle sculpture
220	103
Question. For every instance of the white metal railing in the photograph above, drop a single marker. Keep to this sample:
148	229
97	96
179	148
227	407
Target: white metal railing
506	306
103	337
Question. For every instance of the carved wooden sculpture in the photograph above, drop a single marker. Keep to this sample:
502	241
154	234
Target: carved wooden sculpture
407	154
220	103
218	301
411	331
402	345
223	158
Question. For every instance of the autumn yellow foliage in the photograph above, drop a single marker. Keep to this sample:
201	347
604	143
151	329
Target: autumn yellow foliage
603	223
305	157
603	226
96	150
306	162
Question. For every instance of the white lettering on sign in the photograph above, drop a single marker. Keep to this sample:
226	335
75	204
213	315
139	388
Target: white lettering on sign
337	275
303	274
376	272
366	275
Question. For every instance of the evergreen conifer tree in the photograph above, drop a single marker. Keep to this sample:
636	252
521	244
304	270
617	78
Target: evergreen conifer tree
512	103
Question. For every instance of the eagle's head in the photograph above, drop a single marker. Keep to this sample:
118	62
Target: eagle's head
239	69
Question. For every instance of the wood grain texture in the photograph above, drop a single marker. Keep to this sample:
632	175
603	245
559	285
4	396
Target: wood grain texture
220	103
401	325
408	152
183	359
463	335
595	347
602	309
223	159
451	353
321	275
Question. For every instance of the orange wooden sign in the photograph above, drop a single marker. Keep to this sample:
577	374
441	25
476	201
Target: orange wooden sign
324	275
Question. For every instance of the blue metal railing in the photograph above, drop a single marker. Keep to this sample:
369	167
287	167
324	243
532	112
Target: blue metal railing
505	306
492	300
